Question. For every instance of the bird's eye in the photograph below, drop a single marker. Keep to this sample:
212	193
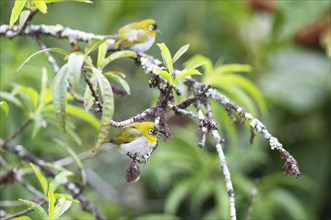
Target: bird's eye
151	131
152	27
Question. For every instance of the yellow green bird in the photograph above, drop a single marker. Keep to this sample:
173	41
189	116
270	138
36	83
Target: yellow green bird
138	36
138	140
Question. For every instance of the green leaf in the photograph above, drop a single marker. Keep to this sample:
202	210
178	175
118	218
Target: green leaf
185	73
177	195
11	98
29	96
248	87
88	100
15	13
67	197
75	157
119	80
4	106
39	122
293	206
156	216
180	52
80	113
232	68
23	17
51	202
102	51
60	86
194	65
41	178
75	63
108	108
55	1
36	207
165	75
166	57
59	179
61	206
207	65
45	95
41	5
57	50
117	55
23	217
93	44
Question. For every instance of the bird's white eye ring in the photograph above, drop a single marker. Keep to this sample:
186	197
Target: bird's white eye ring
151	131
151	28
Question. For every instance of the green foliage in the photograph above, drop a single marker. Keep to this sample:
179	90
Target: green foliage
41	178
57	203
36	207
60	87
168	74
4	106
30	4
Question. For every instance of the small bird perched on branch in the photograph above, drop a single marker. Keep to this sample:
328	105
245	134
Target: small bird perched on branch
138	140
138	36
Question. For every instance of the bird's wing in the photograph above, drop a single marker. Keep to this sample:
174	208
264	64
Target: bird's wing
128	135
128	38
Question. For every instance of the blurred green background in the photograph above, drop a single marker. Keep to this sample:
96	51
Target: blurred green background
181	180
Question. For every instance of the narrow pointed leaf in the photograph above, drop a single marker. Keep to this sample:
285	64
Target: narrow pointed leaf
80	113
180	52
23	17
11	98
194	65
93	44
60	86
102	51
39	123
75	63
23	217
207	64
117	55
108	108
41	178
88	100
119	80
75	157
51	202
57	50
41	5
59	179
248	87
54	1
16	11
61	206
4	106
231	68
186	73
164	74
166	57
42	213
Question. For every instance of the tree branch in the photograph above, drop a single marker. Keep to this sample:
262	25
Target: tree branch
21	151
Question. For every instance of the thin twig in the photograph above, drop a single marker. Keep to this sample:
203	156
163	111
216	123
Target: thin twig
21	151
20	213
19	130
226	172
93	93
252	199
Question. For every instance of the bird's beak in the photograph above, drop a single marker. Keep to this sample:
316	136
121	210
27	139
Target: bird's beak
158	31
160	135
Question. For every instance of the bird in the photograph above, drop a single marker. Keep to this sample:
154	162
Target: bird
137	140
137	36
